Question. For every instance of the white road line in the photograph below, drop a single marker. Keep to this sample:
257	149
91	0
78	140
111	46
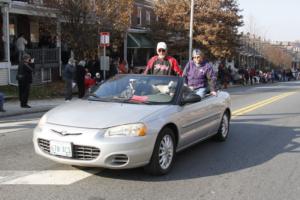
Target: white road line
50	177
276	87
16	126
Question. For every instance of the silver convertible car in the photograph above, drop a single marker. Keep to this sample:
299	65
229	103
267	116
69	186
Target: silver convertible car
131	121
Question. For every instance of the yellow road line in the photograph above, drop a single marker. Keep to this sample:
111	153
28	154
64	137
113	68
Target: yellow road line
256	104
260	104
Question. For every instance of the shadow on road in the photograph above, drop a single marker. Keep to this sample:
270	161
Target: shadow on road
248	145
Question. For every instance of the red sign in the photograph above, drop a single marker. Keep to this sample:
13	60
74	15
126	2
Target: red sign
104	39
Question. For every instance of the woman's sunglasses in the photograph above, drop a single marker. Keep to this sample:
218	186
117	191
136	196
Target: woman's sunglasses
161	50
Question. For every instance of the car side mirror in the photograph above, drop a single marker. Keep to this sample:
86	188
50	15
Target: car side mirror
190	98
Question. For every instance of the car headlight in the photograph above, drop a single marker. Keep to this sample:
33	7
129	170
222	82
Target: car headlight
134	130
42	121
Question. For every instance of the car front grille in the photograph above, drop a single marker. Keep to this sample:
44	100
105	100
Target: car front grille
79	152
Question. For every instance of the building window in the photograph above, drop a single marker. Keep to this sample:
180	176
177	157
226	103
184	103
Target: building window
148	18
139	16
34	31
46	74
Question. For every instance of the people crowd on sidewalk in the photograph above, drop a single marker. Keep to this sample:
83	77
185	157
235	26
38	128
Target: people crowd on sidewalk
86	73
199	73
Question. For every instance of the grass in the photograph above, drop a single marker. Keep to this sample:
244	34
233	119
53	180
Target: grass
45	91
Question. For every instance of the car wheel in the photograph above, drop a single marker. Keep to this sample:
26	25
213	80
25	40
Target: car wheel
223	129
163	154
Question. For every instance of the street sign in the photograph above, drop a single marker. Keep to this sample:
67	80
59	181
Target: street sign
104	39
104	63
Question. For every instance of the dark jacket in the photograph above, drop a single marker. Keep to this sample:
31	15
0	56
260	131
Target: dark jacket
69	72
79	75
25	71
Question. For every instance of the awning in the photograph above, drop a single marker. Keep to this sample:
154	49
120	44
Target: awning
31	10
139	40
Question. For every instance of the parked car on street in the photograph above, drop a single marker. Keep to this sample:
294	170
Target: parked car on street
131	121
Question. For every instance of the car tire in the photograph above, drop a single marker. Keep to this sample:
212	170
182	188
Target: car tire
223	128
163	155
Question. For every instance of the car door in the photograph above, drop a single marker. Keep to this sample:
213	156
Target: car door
213	113
193	119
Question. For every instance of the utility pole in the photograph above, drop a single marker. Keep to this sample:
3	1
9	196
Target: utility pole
191	30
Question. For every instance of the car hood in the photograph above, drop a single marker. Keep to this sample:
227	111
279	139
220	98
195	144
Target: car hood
96	114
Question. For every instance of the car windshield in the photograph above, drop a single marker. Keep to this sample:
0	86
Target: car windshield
137	89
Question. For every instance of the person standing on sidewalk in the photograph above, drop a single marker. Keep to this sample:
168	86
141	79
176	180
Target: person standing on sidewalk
223	75
80	74
2	102
198	74
24	77
20	44
162	64
69	72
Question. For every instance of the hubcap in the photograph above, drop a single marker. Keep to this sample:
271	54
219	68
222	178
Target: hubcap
224	128
166	152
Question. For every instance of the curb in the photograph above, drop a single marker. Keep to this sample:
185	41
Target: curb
9	98
24	112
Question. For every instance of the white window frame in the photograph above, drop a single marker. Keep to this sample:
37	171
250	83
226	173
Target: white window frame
42	75
139	15
148	17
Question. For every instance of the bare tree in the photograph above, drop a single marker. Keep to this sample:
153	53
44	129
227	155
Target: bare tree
216	25
82	21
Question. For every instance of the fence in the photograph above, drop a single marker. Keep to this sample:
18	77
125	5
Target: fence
45	57
46	61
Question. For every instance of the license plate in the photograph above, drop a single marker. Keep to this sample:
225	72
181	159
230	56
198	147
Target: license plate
61	148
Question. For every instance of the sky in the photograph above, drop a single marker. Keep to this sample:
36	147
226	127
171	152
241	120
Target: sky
276	20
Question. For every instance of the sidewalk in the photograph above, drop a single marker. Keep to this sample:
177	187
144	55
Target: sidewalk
13	107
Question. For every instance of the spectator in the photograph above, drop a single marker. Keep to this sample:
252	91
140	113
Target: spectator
98	78
284	75
246	76
88	81
122	66
2	102
68	76
272	75
252	75
24	77
20	44
79	77
113	68
224	75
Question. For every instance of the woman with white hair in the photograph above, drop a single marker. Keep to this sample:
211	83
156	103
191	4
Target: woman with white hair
199	74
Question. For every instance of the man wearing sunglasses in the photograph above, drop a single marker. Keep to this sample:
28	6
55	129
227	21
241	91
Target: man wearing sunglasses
162	64
199	74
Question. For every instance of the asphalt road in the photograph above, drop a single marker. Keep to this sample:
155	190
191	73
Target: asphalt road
260	160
